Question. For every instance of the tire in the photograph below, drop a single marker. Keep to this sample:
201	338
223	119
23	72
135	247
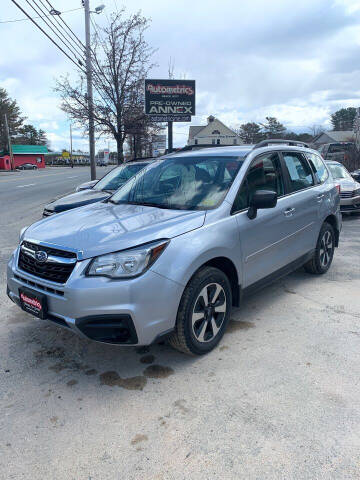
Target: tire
324	251
200	325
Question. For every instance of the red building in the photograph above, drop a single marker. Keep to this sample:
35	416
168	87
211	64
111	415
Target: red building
34	154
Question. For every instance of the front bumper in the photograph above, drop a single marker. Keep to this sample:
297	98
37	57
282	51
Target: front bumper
351	204
130	312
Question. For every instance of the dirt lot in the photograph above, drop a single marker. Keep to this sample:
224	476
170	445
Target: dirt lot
279	399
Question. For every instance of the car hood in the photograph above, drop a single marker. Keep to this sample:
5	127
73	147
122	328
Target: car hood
347	184
104	227
75	200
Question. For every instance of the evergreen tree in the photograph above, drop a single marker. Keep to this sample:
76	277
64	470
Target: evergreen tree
343	119
15	120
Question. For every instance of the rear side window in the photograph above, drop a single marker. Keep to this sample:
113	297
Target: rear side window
264	174
300	175
320	171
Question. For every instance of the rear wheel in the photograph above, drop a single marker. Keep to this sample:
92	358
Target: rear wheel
324	251
203	313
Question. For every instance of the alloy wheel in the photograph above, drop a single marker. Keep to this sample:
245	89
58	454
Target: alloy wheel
326	249
209	312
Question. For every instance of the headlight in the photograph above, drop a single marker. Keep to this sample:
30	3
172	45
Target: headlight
357	192
22	231
127	263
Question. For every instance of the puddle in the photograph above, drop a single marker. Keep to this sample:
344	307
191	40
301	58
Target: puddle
224	347
234	326
113	379
72	382
139	438
158	371
147	359
180	405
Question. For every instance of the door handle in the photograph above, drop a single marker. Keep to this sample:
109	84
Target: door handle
289	212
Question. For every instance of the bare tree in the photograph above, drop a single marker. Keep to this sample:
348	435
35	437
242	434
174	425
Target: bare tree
121	60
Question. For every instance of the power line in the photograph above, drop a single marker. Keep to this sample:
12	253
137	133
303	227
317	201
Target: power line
26	19
75	37
57	23
48	36
49	24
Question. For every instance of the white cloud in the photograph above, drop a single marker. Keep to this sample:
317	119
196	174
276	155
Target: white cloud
294	60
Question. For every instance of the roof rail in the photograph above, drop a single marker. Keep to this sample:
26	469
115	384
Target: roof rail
293	143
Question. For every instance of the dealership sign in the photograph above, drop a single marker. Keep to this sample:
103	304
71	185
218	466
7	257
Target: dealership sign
170	100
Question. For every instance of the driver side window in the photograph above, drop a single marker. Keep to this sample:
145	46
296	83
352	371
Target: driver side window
264	174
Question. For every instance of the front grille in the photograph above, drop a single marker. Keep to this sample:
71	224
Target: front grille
49	250
39	285
55	272
347	194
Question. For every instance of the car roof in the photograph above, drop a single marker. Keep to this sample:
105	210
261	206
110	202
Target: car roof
213	152
333	162
138	162
238	150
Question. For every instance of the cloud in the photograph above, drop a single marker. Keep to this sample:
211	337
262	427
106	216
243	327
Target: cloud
294	60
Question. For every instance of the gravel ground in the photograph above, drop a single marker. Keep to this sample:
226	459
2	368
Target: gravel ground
278	399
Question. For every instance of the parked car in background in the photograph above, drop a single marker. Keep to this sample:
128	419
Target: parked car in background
27	166
356	175
101	190
170	253
342	152
349	188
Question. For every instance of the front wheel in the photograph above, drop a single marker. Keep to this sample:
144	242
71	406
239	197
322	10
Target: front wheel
324	251
203	313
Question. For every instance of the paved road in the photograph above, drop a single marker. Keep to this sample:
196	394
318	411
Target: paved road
26	192
279	399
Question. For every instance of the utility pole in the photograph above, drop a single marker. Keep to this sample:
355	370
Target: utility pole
70	143
170	137
9	143
90	91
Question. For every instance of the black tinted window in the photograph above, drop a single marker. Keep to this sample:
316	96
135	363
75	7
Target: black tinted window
263	174
299	171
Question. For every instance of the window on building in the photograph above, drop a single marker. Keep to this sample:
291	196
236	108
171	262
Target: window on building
218	141
215	132
196	141
235	141
213	141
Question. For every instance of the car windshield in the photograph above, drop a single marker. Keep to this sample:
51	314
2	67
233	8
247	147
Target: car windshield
338	171
186	183
118	176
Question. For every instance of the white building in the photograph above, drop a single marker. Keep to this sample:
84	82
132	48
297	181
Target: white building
158	143
214	133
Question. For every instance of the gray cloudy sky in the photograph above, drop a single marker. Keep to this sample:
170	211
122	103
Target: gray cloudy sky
296	60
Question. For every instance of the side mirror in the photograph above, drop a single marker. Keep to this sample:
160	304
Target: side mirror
261	199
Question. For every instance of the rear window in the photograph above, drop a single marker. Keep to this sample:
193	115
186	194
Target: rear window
340	147
319	169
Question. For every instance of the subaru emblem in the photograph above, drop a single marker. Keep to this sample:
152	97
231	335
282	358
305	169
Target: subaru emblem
41	256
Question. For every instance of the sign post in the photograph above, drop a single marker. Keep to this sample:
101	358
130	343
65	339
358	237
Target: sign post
170	101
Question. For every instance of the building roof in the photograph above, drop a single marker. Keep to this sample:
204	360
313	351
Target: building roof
29	149
195	129
336	135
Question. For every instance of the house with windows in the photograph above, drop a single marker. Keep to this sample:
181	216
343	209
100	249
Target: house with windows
214	133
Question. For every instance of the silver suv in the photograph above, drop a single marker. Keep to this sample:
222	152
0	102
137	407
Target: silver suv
183	241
